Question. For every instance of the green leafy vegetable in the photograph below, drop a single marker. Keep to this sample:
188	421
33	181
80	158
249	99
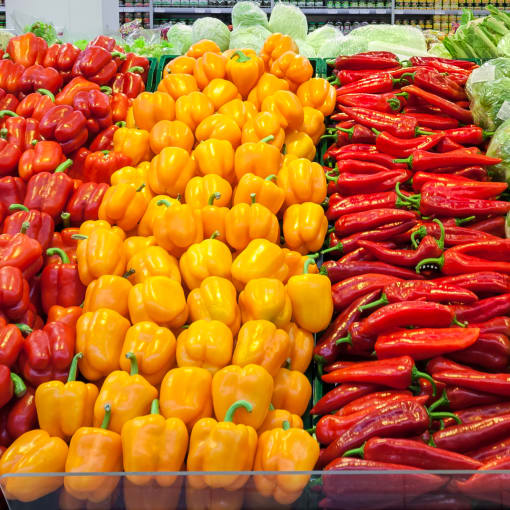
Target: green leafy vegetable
249	37
288	19
322	35
248	14
213	29
45	30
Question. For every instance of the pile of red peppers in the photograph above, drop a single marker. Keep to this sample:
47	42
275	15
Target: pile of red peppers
419	350
60	108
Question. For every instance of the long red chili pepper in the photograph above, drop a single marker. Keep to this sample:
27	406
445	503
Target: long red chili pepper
370	60
430	121
494	226
478	413
403	147
492	451
496	325
456	398
496	384
370	399
366	220
435	82
370	155
386	103
340	396
484	309
349	183
482	282
354	134
491	351
463	186
443	64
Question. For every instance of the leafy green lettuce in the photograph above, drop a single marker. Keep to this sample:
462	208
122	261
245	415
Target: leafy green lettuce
288	19
213	29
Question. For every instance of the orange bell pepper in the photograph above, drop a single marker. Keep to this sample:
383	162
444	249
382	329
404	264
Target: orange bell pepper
214	156
287	107
179	65
99	336
213	220
300	144
266	299
215	299
133	143
108	291
294	68
261	343
296	262
244	69
178	85
313	123
221	91
208	67
257	158
94	450
153	211
292	391
123	205
301	347
252	383
304	227
319	94
303	181
267	85
134	244
171	133
158	299
197	49
136	176
210	188
275	46
151	107
33	452
130	119
276	418
63	408
263	125
266	191
207	258
170	171
153	261
245	222
129	394
154	348
178	228
220	127
153	443
193	109
241	111
207	344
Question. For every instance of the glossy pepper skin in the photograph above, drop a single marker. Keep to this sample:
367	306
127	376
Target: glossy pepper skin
276	419
243	69
37	77
319	94
202	190
92	450
287	107
10	157
216	157
292	391
21	132
27	49
259	158
95	64
46	156
151	107
193	108
21	251
135	176
63	408
99	336
295	69
33	452
263	126
83	204
108	291
177	85
304	227
267	192
14	293
12	343
171	133
274	46
153	261
133	143
40	225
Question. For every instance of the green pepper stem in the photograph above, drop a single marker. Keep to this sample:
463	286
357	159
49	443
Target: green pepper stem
121	123
408	161
164	201
215	234
134	363
412	200
456	322
419	131
24	227
18	207
440	241
79	237
253	197
376	131
107	416
437	416
155	406
356	451
24	328
308	262
213	197
229	415
461	221
271	406
271	177
422	231
136	69
66	219
337	247
348	131
74	367
439	402
416	374
19	386
61	253
394	103
8	113
286	425
140	188
242	56
118	54
268	138
439	261
63	166
383	300
107	90
46	92
128	273
344	340
403	77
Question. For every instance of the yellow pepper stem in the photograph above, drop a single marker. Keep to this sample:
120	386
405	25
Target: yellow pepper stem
268	138
271	177
140	188
308	262
163	202
253	197
155	406
213	197
229	415
74	367
107	416
271	407
61	253
215	234
129	273
285	425
134	363
242	56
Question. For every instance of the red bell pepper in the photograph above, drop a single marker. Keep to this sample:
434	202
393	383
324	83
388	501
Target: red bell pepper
85	201
134	60
35	224
45	156
78	84
106	42
66	242
130	83
8	101
10	384
95	64
21	251
35	105
14	293
38	77
99	166
68	315
21	132
11	342
12	191
9	157
120	105
61	57
95	106
78	157
104	139
10	75
27	49
22	415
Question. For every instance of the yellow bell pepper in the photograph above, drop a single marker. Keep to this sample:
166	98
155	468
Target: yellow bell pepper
267	85
222	446
300	144
289	449
260	259
170	171
153	443
220	127
196	50
153	211
262	126
99	336
265	299
313	123
312	303
153	261
159	299
171	133
275	46
213	221
193	108
244	70
207	258
190	405
208	67
259	158
303	181
207	344
304	227
150	496
292	391
319	94
276	418
123	205
261	343
133	143
94	450
296	263
221	91
287	107
63	408
301	347
130	119
178	228
182	64
215	299
108	291
32	453
252	383
203	191
215	157
245	222
213	499
134	244
241	111
295	69
266	191
136	176
178	85
151	107
129	394
100	250
154	348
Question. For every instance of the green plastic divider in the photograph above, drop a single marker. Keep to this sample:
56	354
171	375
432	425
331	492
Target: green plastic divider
153	69
163	61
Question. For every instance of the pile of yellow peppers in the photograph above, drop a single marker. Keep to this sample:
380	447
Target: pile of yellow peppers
202	290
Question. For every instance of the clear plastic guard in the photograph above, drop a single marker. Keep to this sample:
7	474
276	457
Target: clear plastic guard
342	490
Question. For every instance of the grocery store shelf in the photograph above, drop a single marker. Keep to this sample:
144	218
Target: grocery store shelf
345	11
413	12
2	8
135	9
196	10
